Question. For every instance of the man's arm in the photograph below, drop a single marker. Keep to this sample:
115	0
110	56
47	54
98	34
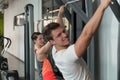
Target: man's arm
90	28
60	16
47	46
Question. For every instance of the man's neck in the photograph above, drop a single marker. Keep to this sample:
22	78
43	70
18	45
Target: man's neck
58	48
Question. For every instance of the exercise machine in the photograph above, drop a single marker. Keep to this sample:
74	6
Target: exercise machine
5	73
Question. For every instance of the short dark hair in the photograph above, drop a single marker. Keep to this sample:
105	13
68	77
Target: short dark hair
35	35
48	29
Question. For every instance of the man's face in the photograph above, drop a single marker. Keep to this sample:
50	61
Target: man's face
60	37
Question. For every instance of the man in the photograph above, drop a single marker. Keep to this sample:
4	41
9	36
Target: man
68	58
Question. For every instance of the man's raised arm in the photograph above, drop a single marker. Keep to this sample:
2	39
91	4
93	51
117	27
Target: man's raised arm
60	15
90	28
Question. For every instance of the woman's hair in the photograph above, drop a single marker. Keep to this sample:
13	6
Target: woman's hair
35	35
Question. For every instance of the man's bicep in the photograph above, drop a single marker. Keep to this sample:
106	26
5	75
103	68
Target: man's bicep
81	45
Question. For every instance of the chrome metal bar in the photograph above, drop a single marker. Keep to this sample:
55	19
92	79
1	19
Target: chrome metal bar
48	19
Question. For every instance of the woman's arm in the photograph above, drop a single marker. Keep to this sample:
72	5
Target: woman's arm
45	48
41	53
37	26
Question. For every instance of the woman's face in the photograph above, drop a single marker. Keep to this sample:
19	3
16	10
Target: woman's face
40	40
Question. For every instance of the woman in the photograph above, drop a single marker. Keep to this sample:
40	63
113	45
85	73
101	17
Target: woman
46	71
